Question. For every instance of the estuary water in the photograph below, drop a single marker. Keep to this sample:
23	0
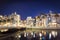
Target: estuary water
33	34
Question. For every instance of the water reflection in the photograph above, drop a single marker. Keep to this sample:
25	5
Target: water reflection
43	35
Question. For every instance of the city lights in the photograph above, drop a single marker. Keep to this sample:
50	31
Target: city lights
42	21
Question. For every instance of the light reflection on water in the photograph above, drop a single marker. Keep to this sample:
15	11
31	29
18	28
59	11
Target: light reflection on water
39	35
32	34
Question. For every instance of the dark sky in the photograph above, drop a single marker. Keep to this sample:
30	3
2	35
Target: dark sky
28	7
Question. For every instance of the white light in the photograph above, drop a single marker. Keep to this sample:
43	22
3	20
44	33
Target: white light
40	34
4	30
29	18
32	33
49	18
54	33
19	36
25	35
50	36
1	16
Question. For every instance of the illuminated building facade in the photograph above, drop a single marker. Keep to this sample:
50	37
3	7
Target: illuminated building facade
47	20
15	18
37	21
29	21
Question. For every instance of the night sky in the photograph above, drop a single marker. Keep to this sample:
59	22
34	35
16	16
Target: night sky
28	7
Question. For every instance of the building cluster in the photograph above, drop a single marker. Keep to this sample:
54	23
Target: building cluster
43	20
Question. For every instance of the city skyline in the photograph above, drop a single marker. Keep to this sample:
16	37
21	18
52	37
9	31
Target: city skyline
29	19
42	13
42	21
